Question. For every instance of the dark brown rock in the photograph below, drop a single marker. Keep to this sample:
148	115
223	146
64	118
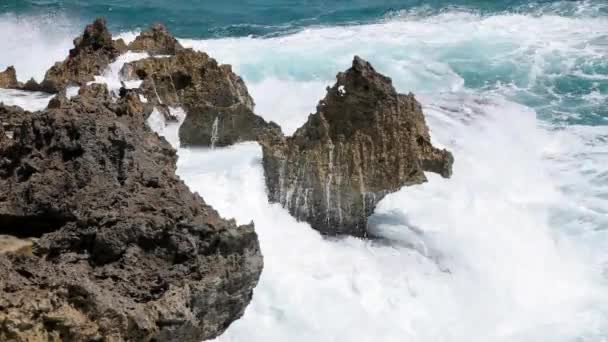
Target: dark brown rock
156	41
11	117
124	251
93	51
8	79
218	106
364	142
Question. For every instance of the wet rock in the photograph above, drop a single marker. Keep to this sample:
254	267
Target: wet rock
8	79
364	142
123	250
218	106
93	51
156	41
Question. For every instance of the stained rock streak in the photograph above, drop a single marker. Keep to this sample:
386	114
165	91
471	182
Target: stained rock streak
364	142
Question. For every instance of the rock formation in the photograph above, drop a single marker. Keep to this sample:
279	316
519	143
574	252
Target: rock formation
115	246
364	142
8	79
156	41
218	106
93	51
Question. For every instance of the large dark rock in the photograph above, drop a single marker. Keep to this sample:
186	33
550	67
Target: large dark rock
218	106
364	142
93	51
156	41
114	245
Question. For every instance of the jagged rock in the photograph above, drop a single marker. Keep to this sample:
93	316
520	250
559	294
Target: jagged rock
156	41
123	251
218	106
8	79
93	51
364	142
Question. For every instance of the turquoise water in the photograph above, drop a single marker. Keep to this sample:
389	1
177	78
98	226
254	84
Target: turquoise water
188	18
513	248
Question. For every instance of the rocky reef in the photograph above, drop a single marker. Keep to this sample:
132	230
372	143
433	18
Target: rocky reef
218	106
216	100
112	245
93	51
364	142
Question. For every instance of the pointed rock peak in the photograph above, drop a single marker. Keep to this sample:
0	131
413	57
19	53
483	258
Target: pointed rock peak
159	28
10	70
362	65
96	36
156	41
364	80
8	78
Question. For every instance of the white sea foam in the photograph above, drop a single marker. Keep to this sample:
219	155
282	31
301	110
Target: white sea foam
31	101
111	76
512	248
33	44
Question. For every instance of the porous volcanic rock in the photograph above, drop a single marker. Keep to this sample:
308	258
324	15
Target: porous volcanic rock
156	41
364	142
120	250
93	51
218	106
11	117
8	78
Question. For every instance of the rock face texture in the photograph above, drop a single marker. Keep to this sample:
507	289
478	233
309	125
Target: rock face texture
11	117
8	79
156	41
93	51
218	106
115	246
364	142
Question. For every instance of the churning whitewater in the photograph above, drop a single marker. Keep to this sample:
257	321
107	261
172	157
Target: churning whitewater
512	248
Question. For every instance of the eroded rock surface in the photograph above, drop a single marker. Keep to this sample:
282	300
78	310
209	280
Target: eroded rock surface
364	142
156	41
11	117
8	79
123	250
218	106
93	51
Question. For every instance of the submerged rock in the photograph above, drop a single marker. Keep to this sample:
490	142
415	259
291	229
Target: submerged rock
156	41
218	106
8	79
122	250
93	51
364	142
